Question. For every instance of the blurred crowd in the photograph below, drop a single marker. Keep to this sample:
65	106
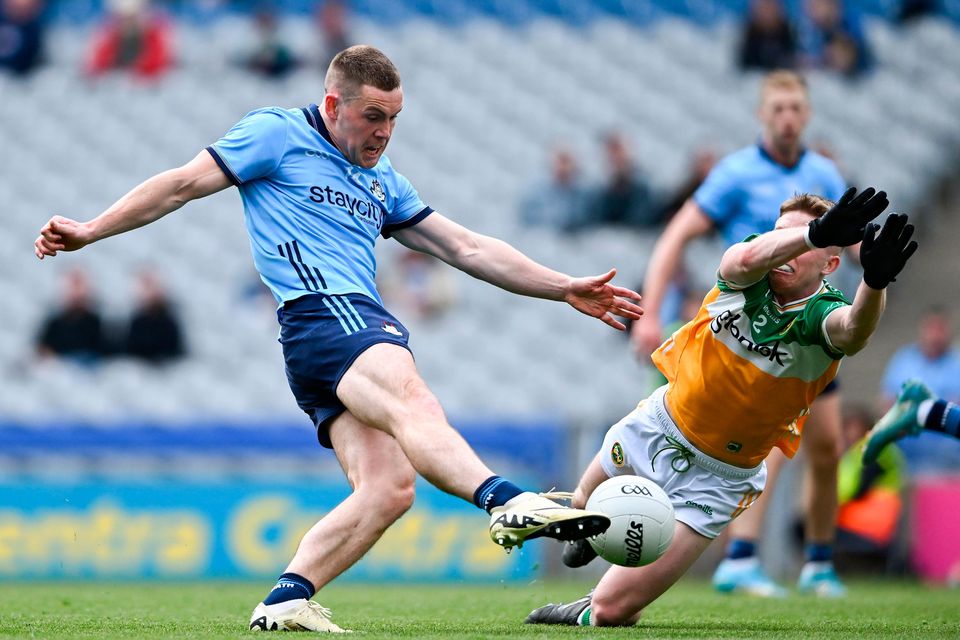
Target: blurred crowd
137	36
827	34
624	197
77	331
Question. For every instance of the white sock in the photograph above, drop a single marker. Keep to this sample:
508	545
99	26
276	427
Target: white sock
923	411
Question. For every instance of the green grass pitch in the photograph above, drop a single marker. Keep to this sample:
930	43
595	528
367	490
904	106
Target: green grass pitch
690	610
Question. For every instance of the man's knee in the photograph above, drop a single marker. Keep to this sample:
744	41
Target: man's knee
612	612
389	496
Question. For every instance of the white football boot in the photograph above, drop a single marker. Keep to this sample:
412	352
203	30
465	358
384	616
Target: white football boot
530	515
293	615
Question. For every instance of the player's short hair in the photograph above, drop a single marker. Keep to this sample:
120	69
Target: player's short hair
361	65
811	205
782	79
807	203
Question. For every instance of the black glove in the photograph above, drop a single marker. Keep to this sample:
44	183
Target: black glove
844	224
884	256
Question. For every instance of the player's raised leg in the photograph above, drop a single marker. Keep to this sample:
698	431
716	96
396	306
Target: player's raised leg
741	571
822	446
382	480
623	592
383	389
901	420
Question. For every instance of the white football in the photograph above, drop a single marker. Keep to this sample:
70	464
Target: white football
641	520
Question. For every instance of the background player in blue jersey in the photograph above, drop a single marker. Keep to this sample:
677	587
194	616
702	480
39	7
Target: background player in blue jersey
317	190
740	197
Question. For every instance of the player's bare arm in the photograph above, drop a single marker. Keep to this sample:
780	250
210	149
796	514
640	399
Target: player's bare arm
883	256
842	226
146	203
748	262
498	263
689	223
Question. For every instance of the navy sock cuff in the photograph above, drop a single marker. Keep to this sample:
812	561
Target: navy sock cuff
739	549
936	415
494	492
944	417
290	586
819	552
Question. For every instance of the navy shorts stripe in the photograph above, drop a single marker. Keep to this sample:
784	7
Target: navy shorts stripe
345	313
357	316
348	329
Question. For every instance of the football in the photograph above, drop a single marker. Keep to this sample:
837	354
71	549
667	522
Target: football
641	520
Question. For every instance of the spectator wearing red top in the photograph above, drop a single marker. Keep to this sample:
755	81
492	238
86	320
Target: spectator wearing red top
133	38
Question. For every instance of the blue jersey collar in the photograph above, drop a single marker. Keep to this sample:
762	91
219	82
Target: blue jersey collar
765	154
312	114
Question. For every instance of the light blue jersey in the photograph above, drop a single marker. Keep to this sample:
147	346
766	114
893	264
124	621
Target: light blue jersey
743	193
313	217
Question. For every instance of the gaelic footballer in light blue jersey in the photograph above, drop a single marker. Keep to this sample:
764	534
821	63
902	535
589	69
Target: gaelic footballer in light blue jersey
313	216
317	191
742	194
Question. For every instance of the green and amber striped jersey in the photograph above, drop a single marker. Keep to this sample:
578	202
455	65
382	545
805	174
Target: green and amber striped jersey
745	370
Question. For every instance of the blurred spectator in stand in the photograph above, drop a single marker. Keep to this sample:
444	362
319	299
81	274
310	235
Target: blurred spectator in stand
626	199
418	285
153	333
332	17
74	331
21	35
768	39
932	359
133	38
832	38
560	201
701	163
271	57
910	9
935	362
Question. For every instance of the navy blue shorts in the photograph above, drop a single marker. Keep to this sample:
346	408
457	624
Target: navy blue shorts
321	336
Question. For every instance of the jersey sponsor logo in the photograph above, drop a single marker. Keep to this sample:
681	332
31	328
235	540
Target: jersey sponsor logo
366	210
391	328
378	191
616	454
727	321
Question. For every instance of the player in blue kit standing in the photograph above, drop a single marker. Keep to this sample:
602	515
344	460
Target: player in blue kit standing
741	197
317	191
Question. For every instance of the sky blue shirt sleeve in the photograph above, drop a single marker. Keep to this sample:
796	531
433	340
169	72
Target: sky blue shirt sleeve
407	210
253	148
718	195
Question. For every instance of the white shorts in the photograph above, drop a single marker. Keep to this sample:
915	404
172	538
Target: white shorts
706	493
